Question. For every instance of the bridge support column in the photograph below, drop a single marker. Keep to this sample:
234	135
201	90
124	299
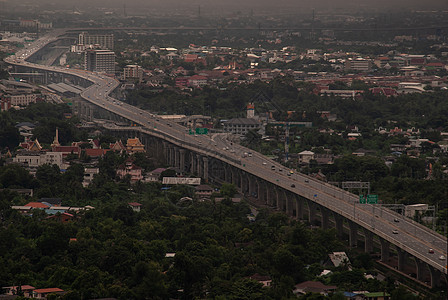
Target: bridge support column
227	174
276	198
176	158
435	276
311	211
251	185
182	160
299	207
235	177
200	165
420	267
194	164
289	208
325	217
283	201
339	222
401	258
261	191
166	152
353	234
384	250
368	241
205	160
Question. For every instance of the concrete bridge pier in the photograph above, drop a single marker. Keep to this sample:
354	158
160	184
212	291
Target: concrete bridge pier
325	212
311	211
182	160
435	276
401	255
194	163
205	166
353	234
227	174
299	207
368	241
252	188
200	164
176	158
339	224
261	191
235	177
385	253
420	268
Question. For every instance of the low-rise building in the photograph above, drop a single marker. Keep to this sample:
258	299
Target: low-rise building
241	125
129	168
34	159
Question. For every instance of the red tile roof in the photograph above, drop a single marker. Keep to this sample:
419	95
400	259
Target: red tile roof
96	152
66	149
37	205
48	290
134	204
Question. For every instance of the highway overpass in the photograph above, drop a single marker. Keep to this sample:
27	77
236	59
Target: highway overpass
216	158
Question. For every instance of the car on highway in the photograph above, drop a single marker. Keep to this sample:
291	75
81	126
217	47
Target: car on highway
442	257
396	220
264	163
272	167
293	185
395	231
431	251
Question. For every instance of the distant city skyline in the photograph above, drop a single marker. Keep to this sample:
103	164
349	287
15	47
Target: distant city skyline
257	6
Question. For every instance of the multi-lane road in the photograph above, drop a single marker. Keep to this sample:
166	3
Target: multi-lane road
417	240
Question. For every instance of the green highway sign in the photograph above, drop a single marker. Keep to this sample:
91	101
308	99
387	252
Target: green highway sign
372	199
201	130
369	199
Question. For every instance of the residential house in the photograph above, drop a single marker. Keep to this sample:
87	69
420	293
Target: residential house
43	293
154	175
37	205
15	290
62	217
362	152
89	174
51	201
265	280
129	168
313	287
203	191
197	81
135	206
305	157
337	259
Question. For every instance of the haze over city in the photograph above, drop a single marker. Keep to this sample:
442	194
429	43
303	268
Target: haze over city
169	149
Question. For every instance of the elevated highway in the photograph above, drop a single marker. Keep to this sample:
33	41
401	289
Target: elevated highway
216	158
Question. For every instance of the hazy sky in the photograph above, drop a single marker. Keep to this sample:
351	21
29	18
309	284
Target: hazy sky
250	3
